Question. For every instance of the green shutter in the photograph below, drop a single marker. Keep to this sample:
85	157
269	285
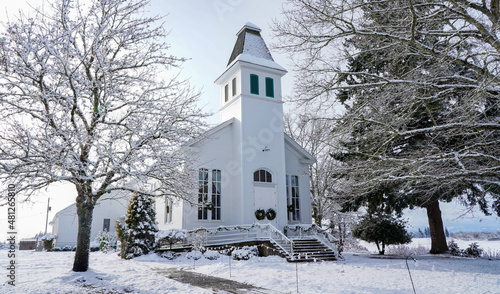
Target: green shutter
254	84
269	87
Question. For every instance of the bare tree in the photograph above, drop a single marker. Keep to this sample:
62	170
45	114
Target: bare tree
314	135
422	121
88	96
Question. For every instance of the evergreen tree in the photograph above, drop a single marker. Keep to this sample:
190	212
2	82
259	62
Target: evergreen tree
140	226
382	229
422	108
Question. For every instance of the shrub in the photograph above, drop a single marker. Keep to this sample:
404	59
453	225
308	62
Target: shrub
382	229
55	249
405	250
48	242
352	245
170	237
107	241
169	255
473	251
245	253
211	255
67	248
195	254
453	248
94	247
491	254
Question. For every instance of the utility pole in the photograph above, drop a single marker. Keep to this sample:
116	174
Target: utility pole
47	217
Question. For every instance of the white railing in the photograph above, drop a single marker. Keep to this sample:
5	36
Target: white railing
237	234
306	231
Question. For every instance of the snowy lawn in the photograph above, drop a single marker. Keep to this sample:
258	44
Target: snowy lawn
50	272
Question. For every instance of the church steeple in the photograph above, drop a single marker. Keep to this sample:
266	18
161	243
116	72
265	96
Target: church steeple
251	73
250	42
250	47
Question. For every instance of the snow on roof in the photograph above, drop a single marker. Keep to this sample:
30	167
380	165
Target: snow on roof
250	47
259	61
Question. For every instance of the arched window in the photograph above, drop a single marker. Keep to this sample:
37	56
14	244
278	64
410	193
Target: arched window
254	84
262	176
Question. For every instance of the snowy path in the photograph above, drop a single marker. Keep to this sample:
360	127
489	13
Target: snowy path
209	282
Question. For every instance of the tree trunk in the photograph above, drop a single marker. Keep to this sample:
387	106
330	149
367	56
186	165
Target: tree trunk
84	212
438	238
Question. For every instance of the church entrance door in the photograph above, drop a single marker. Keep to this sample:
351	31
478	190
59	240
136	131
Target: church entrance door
265	198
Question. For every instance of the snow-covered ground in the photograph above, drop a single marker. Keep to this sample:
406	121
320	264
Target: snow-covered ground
50	272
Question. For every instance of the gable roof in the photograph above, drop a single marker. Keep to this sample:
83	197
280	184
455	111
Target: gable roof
209	133
306	156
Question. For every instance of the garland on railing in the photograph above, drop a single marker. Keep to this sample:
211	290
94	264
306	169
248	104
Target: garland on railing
228	229
305	228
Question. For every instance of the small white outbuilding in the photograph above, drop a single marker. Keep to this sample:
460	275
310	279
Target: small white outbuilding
107	211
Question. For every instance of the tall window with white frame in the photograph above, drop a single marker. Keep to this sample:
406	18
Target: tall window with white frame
209	195
168	210
216	194
202	194
293	197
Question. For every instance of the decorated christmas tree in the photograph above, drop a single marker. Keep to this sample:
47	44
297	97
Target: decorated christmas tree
140	227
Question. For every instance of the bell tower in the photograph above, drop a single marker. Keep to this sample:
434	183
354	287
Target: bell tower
251	96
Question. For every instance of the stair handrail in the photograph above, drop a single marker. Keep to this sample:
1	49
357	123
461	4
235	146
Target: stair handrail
282	236
320	234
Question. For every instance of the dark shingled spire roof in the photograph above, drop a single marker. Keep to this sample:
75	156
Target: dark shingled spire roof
250	42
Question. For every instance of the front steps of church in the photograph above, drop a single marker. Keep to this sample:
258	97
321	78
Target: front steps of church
308	250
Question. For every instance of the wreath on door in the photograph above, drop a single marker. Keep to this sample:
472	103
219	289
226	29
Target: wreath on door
290	208
210	206
271	214
260	214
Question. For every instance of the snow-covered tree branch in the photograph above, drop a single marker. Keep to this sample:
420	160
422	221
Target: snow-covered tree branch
89	95
420	83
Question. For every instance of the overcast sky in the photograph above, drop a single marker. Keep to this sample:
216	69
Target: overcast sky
205	31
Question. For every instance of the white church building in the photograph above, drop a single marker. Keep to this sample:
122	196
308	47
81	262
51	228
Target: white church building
246	164
248	171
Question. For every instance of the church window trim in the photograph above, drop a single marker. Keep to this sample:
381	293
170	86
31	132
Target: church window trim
270	87
216	194
293	198
262	176
209	194
168	210
233	87
254	84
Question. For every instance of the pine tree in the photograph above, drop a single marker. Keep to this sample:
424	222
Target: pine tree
140	226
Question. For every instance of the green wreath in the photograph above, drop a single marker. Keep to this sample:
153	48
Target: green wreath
271	214
260	214
210	206
290	208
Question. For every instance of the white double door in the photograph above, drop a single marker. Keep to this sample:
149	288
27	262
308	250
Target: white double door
265	198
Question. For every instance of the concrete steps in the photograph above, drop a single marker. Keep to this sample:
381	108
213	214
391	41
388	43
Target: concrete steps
311	250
